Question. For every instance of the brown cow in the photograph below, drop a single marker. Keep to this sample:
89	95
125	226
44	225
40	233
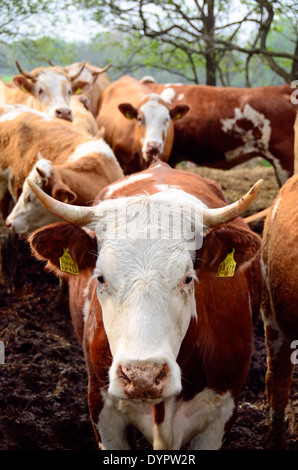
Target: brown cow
46	89
227	126
167	336
138	124
23	135
279	305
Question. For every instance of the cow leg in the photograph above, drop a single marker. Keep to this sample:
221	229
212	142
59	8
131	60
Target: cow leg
278	376
112	426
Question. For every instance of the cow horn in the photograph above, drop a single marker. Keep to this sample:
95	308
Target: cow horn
73	214
51	63
73	77
25	74
221	215
102	70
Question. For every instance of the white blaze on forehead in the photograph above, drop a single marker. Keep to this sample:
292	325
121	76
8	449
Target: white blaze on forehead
29	213
58	91
92	146
157	120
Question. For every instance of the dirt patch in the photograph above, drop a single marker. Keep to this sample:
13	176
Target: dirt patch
43	394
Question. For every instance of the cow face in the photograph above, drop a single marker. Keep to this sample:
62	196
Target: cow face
29	214
51	91
154	124
145	278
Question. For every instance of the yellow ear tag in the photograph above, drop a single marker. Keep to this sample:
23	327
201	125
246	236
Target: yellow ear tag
78	91
67	264
128	115
178	116
24	89
227	266
65	199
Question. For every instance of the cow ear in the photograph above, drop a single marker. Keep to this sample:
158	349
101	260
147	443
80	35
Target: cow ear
80	86
76	247
227	247
179	111
24	84
128	110
64	193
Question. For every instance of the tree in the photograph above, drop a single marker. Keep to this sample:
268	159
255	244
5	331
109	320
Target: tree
205	30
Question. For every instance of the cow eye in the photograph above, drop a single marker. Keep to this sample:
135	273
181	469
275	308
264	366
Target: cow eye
101	279
188	279
40	92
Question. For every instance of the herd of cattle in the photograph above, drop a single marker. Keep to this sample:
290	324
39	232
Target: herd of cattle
166	325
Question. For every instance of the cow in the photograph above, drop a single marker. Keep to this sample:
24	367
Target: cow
24	133
138	124
167	337
279	303
89	84
78	181
46	89
227	126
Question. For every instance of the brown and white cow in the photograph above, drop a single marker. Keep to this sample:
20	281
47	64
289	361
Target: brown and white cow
279	305
90	84
77	181
227	126
24	133
167	339
46	89
138	124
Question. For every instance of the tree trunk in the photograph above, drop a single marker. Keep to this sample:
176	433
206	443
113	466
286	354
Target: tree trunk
210	48
294	71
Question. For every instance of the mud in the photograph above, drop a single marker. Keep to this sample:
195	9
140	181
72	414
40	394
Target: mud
43	394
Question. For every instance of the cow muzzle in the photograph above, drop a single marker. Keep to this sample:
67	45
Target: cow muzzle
152	149
64	113
144	382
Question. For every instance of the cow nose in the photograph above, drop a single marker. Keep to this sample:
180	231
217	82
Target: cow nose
143	381
153	148
64	113
9	225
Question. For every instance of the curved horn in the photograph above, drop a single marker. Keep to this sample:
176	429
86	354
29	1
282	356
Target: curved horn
73	77
214	217
101	70
73	214
25	74
50	62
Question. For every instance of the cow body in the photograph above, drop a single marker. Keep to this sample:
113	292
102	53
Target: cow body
138	124
279	305
167	343
227	126
25	133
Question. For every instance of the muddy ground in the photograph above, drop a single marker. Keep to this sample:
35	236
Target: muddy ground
43	382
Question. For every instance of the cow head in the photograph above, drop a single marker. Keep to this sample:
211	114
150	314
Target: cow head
145	284
29	214
155	126
50	88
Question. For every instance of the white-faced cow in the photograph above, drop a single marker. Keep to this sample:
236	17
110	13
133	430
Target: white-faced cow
138	124
227	126
279	305
24	133
46	89
167	336
90	84
77	181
